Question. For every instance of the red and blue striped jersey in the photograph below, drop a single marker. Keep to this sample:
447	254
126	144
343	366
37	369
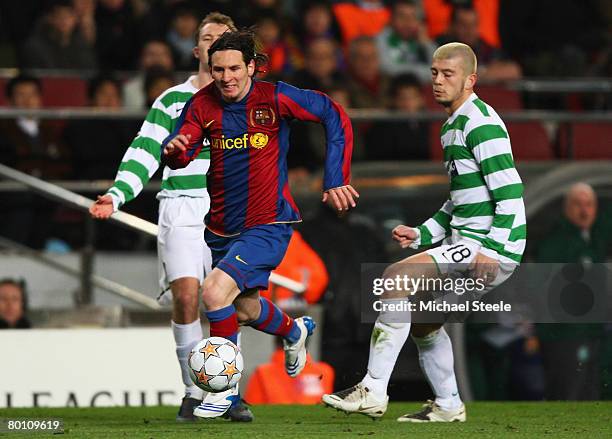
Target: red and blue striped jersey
249	141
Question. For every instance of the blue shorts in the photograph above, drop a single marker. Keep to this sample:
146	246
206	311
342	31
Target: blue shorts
250	257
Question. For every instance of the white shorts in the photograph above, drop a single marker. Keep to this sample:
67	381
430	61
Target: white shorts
181	250
456	253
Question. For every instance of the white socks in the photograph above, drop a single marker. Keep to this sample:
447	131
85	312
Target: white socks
388	338
436	359
186	337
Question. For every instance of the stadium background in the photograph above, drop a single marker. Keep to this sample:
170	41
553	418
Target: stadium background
548	72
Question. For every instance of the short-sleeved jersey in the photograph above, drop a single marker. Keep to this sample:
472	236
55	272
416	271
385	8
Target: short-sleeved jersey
486	192
249	141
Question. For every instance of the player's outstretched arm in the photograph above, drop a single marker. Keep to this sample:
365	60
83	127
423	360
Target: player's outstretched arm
315	106
102	208
341	198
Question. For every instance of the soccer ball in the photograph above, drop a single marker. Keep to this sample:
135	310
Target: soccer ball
215	364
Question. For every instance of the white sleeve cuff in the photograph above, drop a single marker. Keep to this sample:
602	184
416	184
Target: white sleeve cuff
116	201
417	242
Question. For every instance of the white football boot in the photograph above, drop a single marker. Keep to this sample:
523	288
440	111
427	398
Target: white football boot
215	405
295	353
357	399
432	412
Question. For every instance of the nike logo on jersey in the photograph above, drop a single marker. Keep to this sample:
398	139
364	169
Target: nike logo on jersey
239	259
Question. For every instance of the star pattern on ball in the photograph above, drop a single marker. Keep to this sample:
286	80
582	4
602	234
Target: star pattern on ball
230	370
202	377
210	349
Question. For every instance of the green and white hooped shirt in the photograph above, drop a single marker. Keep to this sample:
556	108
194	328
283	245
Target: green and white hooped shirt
486	192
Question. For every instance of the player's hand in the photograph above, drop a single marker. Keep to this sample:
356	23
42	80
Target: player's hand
177	145
102	208
485	268
341	198
404	235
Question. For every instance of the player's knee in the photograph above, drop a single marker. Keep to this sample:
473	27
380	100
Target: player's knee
212	294
401	274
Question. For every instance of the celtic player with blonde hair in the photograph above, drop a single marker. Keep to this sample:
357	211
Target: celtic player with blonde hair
483	232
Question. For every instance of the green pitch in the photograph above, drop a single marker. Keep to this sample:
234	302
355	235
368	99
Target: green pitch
485	420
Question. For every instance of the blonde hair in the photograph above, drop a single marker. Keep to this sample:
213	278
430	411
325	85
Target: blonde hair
216	18
463	51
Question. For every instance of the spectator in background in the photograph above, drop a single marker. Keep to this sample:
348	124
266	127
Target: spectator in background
284	56
404	46
117	34
360	18
96	156
572	352
492	63
317	21
85	18
57	42
402	140
301	264
250	11
28	144
32	146
367	84
270	384
438	16
13	305
157	80
155	53
320	71
180	37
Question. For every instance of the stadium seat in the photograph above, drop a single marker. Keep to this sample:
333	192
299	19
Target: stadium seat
64	92
530	141
499	97
588	140
435	147
57	92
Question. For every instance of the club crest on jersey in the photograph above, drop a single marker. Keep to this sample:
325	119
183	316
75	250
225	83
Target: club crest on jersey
451	168
259	140
262	116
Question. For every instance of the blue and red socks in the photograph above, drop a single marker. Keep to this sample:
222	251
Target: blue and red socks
273	321
224	323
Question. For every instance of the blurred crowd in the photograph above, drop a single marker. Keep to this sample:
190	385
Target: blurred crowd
364	54
543	38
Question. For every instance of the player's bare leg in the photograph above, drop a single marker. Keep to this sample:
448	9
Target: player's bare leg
187	331
369	397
